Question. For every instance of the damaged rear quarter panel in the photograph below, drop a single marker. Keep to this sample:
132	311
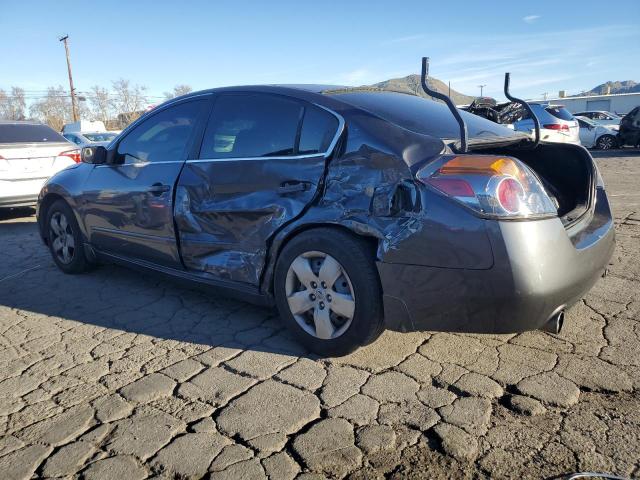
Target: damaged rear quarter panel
363	180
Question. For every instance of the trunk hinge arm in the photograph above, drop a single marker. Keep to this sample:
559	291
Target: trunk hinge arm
527	107
449	103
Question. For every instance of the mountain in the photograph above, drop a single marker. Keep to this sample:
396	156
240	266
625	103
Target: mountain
411	84
625	86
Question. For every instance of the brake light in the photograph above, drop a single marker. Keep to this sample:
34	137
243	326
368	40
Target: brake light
495	186
72	154
556	126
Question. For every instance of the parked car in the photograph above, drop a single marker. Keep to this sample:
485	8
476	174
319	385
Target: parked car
556	123
29	154
86	133
600	117
87	139
630	128
350	210
597	136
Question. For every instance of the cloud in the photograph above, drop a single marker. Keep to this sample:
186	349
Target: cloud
408	38
530	18
356	76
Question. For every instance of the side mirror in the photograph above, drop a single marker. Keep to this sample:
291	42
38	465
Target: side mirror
94	155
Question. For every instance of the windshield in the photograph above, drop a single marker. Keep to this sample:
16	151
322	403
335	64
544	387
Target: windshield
28	133
423	116
100	137
585	122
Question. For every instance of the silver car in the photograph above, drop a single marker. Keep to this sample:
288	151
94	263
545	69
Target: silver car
601	117
88	139
597	136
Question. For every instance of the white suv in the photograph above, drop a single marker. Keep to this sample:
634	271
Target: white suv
30	153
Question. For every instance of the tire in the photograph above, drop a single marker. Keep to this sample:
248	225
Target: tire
330	319
606	142
65	240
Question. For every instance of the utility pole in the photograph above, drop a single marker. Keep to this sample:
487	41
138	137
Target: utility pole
74	103
481	88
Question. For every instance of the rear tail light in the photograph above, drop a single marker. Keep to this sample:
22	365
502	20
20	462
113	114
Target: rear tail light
556	126
501	187
72	154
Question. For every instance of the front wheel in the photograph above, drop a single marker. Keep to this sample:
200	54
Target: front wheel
327	291
606	142
65	240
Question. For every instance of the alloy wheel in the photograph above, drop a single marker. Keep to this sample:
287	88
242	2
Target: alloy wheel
605	143
61	237
320	295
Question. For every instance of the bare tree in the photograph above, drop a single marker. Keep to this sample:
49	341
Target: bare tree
178	90
129	100
101	103
54	109
13	106
4	105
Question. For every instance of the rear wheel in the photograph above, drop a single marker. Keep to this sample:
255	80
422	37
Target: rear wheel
606	142
328	293
65	239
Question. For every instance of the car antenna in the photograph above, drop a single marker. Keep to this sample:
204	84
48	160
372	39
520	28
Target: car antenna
536	122
448	101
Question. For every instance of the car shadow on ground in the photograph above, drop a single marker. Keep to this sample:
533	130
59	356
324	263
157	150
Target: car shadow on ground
12	213
115	297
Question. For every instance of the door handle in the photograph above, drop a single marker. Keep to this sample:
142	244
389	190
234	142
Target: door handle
293	186
158	189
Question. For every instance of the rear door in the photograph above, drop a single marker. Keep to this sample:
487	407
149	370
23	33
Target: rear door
261	161
128	205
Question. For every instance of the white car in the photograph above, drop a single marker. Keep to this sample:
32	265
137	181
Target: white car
597	136
30	153
600	117
556	123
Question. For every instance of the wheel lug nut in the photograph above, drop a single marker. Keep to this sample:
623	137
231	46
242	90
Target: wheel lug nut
324	285
314	285
321	305
312	297
328	298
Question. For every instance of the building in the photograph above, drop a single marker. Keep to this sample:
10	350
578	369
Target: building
620	103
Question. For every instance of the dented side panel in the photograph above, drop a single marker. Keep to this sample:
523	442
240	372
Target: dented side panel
227	210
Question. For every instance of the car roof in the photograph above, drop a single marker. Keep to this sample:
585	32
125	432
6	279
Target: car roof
20	122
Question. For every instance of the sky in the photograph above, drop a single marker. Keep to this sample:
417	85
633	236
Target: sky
546	45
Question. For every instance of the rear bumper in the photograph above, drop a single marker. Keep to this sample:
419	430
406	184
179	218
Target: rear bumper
539	268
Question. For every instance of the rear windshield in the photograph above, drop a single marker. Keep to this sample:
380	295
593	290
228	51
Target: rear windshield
421	115
560	112
28	133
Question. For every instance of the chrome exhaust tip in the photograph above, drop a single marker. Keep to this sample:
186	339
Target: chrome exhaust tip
554	324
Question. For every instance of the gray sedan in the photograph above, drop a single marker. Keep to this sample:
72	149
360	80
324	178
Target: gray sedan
350	210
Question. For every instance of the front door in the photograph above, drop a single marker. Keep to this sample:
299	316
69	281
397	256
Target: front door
261	161
128	204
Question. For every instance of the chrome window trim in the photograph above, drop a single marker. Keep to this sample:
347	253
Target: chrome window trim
325	154
138	164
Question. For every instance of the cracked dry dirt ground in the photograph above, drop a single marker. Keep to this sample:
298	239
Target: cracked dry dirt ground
115	374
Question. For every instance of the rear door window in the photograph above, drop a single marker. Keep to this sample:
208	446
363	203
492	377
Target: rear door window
252	125
163	136
560	112
318	129
28	133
